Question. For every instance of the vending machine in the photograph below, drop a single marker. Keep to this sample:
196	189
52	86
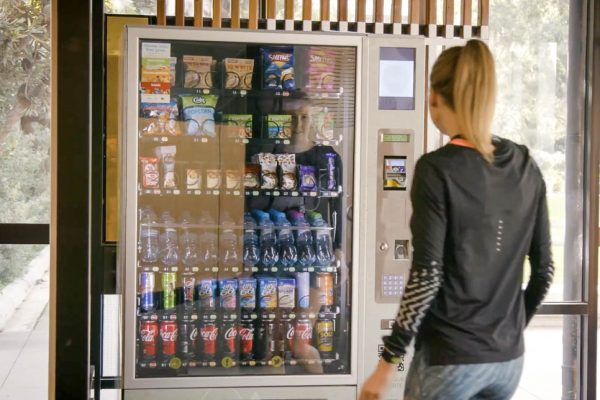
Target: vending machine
264	179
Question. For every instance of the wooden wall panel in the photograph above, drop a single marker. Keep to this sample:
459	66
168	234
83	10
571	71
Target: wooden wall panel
198	17
325	10
253	15
484	13
397	11
271	9
361	11
342	10
449	12
179	13
414	12
289	9
216	14
431	12
379	14
307	10
161	12
235	14
467	10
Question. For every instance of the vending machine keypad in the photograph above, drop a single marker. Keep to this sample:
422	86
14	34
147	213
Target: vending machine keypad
393	286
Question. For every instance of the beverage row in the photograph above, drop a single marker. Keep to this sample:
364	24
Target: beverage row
259	340
228	295
267	171
272	238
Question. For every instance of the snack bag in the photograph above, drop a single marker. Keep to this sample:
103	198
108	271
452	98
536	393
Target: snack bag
320	71
278	68
156	70
198	112
268	173
252	176
321	123
238	73
233	179
193	178
287	166
279	126
307	177
239	125
198	72
150	172
160	119
166	154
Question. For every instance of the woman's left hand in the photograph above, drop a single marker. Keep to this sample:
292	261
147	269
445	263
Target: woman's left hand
376	385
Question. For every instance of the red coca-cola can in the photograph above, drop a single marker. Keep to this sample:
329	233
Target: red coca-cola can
148	335
208	336
229	331
246	340
168	336
303	334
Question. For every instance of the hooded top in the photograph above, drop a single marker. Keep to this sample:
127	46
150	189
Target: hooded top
473	224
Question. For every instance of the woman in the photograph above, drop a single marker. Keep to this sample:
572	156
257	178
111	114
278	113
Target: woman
479	208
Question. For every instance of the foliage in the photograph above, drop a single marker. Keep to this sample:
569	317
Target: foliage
24	123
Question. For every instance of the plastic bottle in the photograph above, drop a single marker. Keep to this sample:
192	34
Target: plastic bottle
323	245
251	248
207	241
304	240
148	241
169	247
288	254
269	253
188	241
229	255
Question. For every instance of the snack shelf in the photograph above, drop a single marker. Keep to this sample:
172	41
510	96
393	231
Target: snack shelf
228	362
238	193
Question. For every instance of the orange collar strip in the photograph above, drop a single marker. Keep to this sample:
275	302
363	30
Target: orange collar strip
462	142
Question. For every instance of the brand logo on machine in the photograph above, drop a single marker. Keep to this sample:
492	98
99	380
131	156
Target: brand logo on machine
209	333
320	59
194	334
247	334
148	335
280	57
199	100
231	333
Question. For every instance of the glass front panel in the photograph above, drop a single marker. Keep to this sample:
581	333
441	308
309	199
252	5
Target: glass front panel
244	178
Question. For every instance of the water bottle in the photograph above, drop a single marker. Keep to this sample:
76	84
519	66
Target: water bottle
269	254
169	247
188	241
288	255
229	255
207	241
148	241
304	241
323	245
251	248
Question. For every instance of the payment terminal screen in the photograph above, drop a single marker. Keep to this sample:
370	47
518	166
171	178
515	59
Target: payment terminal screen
396	78
394	173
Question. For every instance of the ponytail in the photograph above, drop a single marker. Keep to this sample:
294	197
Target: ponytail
465	77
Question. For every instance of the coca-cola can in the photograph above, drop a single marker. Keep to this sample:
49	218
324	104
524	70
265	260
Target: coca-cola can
148	337
168	336
303	334
246	340
287	336
187	339
208	334
266	340
229	332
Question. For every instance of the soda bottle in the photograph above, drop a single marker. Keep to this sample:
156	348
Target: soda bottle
187	340
269	253
169	248
323	246
288	255
266	340
251	249
188	241
148	240
228	243
246	334
207	242
287	331
188	287
304	241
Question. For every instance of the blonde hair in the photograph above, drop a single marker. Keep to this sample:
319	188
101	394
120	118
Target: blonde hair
465	77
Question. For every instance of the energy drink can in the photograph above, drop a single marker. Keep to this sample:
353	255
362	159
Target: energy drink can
168	285
147	297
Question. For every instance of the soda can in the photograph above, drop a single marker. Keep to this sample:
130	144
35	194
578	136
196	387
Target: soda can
207	293
168	285
246	340
286	290
324	283
287	332
188	284
303	334
148	336
147	285
208	335
267	293
229	331
168	336
227	294
325	332
187	339
303	289
266	339
247	293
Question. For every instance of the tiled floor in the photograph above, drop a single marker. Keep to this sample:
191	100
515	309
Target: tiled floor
24	349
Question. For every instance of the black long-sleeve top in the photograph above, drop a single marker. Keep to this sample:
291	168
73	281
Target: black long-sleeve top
473	224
